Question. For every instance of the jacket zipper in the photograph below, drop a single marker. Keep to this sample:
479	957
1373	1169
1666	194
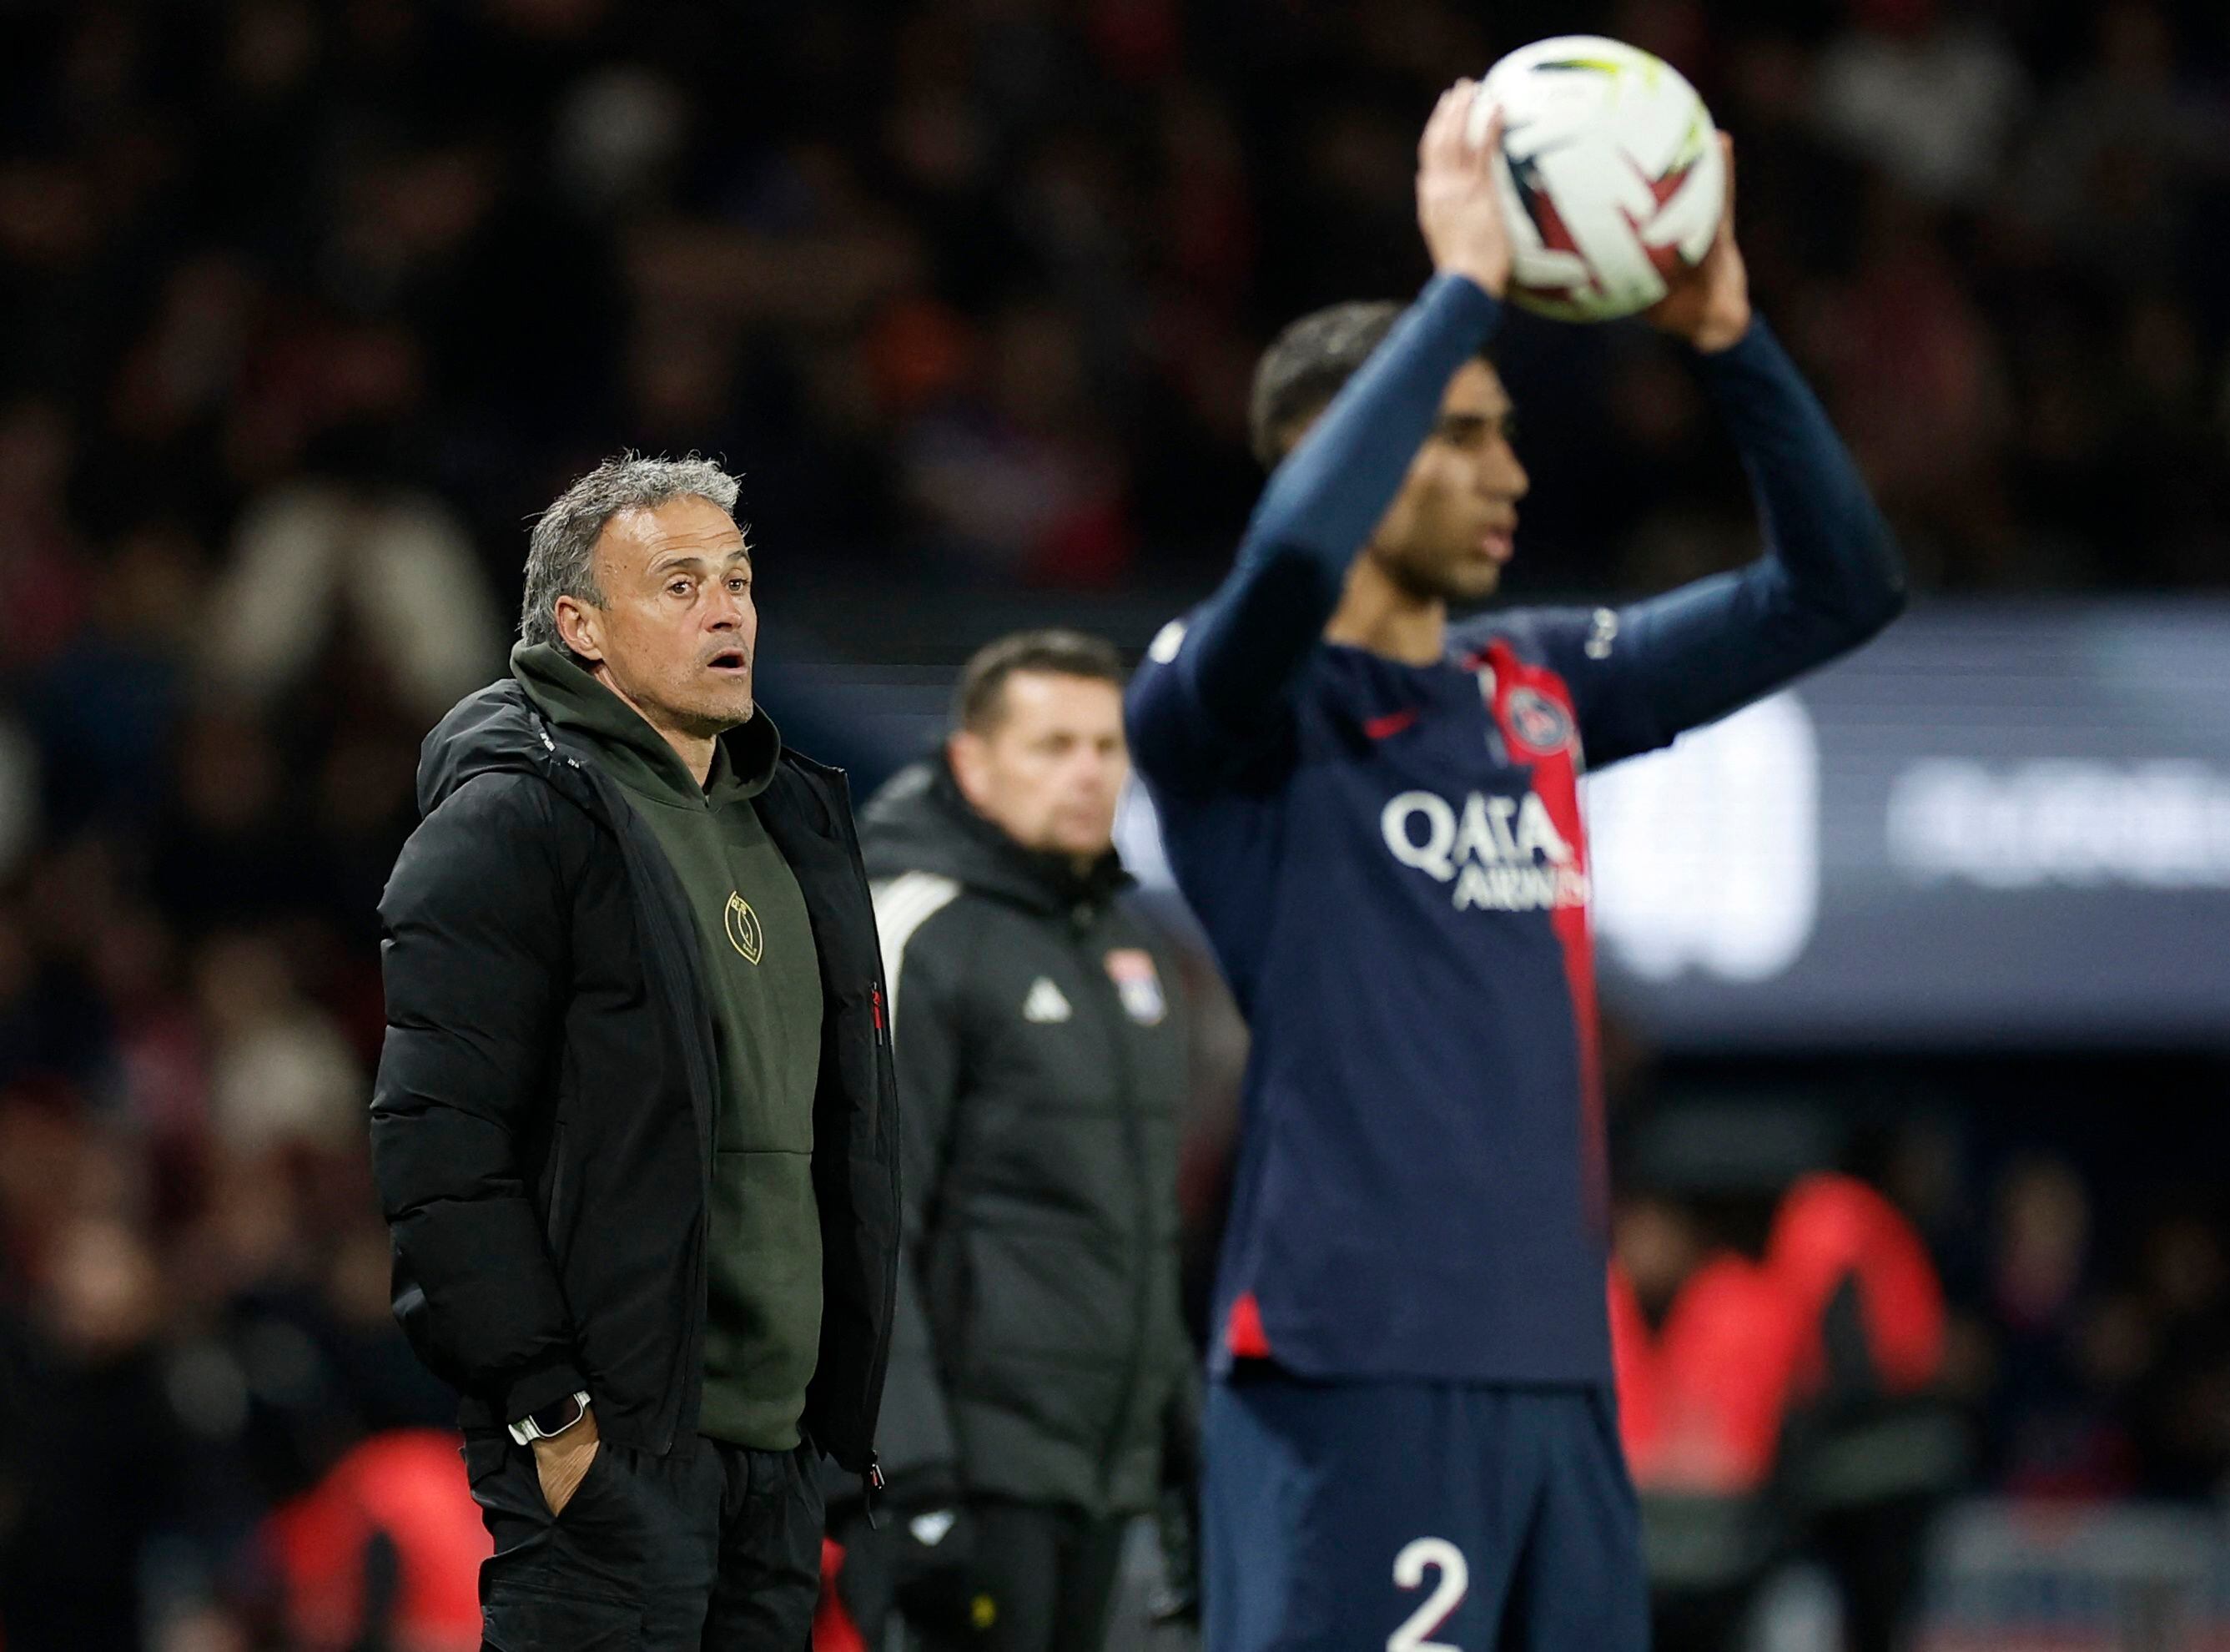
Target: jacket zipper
872	1483
871	1488
1115	1016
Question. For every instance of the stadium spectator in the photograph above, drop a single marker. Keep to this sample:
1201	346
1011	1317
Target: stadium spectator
1782	1403
1863	1283
311	556
2053	1364
1872	1452
91	1452
1930	95
383	1554
1043	1390
1712	1381
245	255
1705	1344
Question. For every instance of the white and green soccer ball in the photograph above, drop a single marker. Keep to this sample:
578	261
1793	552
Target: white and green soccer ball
1613	176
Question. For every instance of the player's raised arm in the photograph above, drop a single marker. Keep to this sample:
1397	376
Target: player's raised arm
1830	575
1217	686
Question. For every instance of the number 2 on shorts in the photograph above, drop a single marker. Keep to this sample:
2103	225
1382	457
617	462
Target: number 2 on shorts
1410	1567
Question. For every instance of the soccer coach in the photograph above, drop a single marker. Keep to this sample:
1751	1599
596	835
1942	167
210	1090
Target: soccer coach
634	1127
1042	1382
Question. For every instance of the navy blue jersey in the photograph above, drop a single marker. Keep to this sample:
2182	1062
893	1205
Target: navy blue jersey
1391	864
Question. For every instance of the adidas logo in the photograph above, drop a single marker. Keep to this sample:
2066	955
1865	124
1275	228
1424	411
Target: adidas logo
1045	1005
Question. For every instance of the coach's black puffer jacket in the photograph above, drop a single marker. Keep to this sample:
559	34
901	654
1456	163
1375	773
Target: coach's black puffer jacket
1040	1353
540	1125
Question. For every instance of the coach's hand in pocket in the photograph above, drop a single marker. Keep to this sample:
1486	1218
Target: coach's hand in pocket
560	1463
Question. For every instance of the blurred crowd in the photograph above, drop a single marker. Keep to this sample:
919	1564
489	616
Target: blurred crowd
305	308
1829	1321
978	283
2055	1270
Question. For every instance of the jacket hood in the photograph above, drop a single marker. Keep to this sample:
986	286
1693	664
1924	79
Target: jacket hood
743	758
920	822
490	731
498	729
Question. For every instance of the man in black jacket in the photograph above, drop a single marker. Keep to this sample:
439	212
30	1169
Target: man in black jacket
1040	1359
636	1123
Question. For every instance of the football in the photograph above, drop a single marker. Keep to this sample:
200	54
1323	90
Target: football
1613	176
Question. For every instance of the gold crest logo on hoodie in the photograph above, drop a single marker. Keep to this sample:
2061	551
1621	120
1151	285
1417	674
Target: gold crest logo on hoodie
744	931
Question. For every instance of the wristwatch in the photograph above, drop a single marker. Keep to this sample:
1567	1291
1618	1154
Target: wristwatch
551	1420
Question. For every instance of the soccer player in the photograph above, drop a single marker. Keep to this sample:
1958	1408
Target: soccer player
1374	813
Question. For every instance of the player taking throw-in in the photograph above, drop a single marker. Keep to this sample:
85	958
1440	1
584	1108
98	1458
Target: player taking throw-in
1375	812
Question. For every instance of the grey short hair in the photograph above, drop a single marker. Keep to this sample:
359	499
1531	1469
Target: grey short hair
561	552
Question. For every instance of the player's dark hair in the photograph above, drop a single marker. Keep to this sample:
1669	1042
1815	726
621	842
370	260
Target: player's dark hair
980	702
1304	367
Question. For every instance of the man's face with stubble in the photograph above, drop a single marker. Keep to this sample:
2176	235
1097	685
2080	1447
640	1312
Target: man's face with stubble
674	631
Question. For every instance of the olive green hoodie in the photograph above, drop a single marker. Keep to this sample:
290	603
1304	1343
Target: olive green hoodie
762	979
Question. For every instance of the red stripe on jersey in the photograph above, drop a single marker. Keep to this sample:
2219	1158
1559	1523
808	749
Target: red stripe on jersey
1556	780
1391	724
1242	1332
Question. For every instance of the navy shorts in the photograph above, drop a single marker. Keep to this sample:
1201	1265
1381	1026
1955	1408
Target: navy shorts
1418	1517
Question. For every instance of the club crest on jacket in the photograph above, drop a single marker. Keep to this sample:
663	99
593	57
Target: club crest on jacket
1138	984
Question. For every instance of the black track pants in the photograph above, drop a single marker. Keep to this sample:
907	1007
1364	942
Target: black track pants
1053	1571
